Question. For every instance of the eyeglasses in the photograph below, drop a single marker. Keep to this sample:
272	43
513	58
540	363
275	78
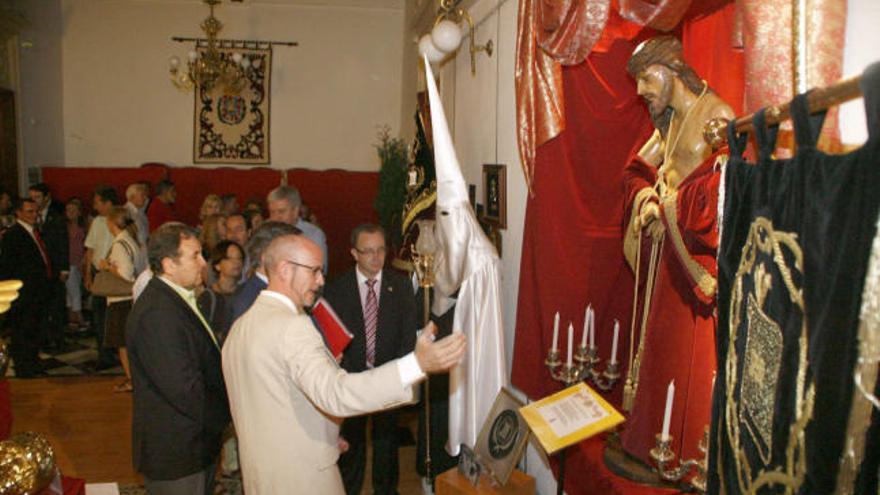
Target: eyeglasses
314	269
371	252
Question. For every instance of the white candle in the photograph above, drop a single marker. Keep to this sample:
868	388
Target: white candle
556	332
667	415
592	327
570	342
614	342
586	327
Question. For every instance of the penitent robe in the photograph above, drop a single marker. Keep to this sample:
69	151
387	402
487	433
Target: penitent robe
679	340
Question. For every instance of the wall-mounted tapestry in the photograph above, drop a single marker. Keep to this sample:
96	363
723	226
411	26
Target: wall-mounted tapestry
233	127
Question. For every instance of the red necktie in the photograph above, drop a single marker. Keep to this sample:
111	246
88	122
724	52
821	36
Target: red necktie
42	248
371	318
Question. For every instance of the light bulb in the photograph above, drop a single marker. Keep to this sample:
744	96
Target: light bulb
245	62
236	57
427	49
446	36
193	55
174	62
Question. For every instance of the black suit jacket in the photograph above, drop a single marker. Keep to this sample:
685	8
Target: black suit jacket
54	232
244	296
20	259
396	328
180	406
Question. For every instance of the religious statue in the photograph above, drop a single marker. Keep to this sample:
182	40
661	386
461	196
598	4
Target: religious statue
670	242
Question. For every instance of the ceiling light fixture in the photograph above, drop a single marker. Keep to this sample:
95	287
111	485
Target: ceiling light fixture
445	37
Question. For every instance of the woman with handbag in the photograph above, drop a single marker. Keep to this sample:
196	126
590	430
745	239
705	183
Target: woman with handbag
127	258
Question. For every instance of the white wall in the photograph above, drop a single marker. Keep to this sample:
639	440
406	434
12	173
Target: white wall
329	95
39	85
861	49
482	112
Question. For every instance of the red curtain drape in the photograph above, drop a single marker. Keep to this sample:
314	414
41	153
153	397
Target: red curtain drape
572	245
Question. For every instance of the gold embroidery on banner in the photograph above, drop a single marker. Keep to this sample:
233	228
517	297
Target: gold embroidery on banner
704	280
760	377
750	393
865	376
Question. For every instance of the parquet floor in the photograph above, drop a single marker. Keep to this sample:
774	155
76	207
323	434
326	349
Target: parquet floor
90	428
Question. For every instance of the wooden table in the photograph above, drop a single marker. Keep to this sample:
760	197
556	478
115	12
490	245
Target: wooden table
454	483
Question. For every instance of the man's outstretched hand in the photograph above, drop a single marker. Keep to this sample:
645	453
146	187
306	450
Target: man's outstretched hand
436	356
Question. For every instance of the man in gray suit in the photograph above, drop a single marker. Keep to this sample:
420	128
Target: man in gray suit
285	388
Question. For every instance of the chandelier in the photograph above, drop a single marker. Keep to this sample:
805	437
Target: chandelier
206	66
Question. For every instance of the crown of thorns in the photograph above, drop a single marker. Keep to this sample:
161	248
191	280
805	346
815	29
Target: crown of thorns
662	50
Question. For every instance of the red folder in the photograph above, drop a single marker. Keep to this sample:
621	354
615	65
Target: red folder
336	335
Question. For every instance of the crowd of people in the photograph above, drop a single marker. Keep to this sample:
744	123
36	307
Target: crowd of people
165	299
111	236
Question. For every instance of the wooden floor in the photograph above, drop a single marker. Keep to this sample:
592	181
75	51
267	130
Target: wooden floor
89	427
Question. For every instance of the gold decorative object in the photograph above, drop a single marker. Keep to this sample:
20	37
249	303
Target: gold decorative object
8	293
27	464
715	132
207	66
585	368
662	454
423	262
38	451
445	37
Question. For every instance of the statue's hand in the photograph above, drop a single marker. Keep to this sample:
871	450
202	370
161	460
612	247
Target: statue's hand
652	151
649	219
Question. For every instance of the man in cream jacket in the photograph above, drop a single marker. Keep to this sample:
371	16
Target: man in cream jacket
286	390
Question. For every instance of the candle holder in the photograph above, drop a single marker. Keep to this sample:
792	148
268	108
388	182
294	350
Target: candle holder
664	457
585	367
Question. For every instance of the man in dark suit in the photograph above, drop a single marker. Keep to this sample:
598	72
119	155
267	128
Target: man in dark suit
52	224
26	258
378	306
247	292
180	408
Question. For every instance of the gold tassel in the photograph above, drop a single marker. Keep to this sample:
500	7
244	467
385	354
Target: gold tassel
629	394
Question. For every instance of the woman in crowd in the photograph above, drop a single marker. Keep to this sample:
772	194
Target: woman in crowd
211	205
213	231
127	259
76	235
215	302
254	219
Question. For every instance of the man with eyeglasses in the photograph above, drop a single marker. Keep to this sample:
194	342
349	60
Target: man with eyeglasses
285	388
378	306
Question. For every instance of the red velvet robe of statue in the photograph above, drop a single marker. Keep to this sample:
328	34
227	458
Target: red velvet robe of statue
680	334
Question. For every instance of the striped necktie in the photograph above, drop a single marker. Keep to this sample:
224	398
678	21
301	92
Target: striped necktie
371	319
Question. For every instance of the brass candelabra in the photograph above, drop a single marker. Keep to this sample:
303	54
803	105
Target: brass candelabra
584	368
665	459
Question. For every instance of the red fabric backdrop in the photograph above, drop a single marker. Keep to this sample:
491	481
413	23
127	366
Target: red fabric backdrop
66	183
194	183
572	246
340	199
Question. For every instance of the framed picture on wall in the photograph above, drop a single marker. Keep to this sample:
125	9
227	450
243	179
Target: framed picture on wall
495	195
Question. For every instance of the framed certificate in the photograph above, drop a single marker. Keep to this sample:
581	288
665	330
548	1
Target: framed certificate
569	416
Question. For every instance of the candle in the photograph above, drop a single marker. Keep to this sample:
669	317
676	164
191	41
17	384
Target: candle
667	415
556	332
586	327
614	342
592	327
570	342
